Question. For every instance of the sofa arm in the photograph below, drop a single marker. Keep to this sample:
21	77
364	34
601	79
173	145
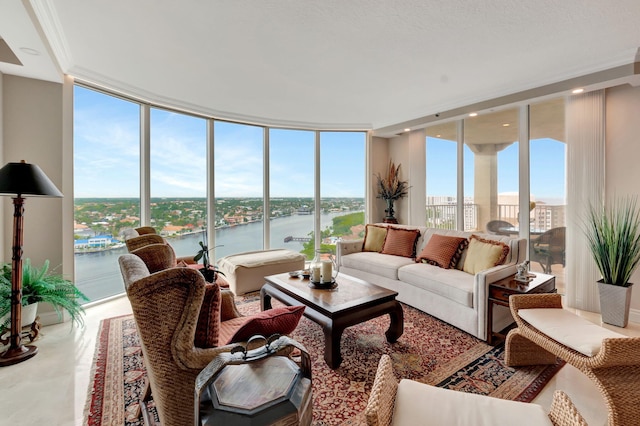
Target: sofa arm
344	247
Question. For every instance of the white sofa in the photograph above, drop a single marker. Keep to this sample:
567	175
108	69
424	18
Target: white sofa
452	295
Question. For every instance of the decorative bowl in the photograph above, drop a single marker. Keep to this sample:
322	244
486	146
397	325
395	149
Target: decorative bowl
295	274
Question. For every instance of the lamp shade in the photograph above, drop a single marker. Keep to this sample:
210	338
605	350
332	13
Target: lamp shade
26	179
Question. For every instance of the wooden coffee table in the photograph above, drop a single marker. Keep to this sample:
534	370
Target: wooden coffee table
352	302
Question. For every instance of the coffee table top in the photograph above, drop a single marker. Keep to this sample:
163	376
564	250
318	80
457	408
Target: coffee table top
350	293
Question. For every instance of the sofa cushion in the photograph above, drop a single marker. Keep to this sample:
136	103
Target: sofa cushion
449	283
484	254
443	251
374	238
401	242
282	320
383	265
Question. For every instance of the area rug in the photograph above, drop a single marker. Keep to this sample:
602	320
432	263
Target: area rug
429	351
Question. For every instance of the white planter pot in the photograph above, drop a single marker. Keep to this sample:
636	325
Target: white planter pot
615	301
27	315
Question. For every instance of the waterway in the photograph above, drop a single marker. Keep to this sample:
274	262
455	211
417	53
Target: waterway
97	274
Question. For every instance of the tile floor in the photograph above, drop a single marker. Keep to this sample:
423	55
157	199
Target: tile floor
51	388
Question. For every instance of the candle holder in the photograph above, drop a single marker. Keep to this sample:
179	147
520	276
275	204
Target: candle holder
323	269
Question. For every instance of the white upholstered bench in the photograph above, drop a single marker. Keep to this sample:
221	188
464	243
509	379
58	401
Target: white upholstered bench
611	360
245	271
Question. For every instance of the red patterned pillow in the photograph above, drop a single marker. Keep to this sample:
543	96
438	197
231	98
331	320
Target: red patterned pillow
443	251
208	327
281	320
401	242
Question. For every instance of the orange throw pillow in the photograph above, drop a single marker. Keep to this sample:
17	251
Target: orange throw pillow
443	251
401	242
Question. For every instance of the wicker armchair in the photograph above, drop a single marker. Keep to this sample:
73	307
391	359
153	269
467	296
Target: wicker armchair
389	404
166	307
615	368
549	249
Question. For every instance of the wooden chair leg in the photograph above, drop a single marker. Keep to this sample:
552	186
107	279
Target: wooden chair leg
142	405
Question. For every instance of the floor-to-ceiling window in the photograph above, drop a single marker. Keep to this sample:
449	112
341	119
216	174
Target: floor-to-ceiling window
548	188
342	185
291	188
178	178
239	188
106	187
442	176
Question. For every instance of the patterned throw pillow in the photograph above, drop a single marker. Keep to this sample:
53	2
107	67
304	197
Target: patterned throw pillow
374	238
401	242
443	251
281	320
208	327
484	254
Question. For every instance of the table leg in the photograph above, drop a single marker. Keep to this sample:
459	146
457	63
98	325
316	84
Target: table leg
396	326
265	299
490	322
332	337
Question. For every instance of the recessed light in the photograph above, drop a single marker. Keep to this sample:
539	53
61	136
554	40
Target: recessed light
506	125
407	129
30	51
473	114
576	91
437	136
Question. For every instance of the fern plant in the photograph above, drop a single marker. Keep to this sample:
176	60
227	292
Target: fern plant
40	285
613	235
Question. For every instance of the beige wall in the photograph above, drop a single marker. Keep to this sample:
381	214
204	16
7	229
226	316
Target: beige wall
622	156
32	124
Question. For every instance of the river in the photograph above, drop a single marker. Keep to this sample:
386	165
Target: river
97	274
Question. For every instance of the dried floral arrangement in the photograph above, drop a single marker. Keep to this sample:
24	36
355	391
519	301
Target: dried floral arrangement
391	187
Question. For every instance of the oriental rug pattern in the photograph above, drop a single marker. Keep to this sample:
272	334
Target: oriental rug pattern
429	351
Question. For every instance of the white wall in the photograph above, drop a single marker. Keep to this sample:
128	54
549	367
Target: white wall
623	155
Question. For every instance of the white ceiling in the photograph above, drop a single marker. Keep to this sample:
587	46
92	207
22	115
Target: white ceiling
357	64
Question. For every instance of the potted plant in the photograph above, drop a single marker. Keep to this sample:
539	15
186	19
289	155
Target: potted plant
390	189
209	271
613	235
41	285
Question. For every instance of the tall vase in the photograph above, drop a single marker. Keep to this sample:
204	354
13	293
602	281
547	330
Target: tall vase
614	303
389	218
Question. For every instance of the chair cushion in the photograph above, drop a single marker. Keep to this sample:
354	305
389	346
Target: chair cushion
438	406
568	329
484	254
401	242
443	251
208	327
374	238
282	320
157	257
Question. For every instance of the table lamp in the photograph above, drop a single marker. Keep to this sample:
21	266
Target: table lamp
19	179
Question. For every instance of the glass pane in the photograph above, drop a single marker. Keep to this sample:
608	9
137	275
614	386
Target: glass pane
291	187
342	184
442	176
492	143
548	188
106	187
178	179
238	180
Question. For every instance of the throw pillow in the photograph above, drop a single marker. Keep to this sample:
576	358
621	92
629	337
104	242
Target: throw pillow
484	254
443	251
401	242
374	238
281	320
208	327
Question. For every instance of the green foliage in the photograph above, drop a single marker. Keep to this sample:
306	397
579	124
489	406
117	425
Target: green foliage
613	234
40	285
342	224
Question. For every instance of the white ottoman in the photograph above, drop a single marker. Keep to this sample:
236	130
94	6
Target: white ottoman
245	272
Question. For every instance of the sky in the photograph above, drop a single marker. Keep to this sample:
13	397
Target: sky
107	155
107	158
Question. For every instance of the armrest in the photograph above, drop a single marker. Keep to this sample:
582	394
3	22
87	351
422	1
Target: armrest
344	247
186	259
228	309
564	412
379	410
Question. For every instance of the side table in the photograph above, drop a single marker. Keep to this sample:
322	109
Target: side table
500	291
